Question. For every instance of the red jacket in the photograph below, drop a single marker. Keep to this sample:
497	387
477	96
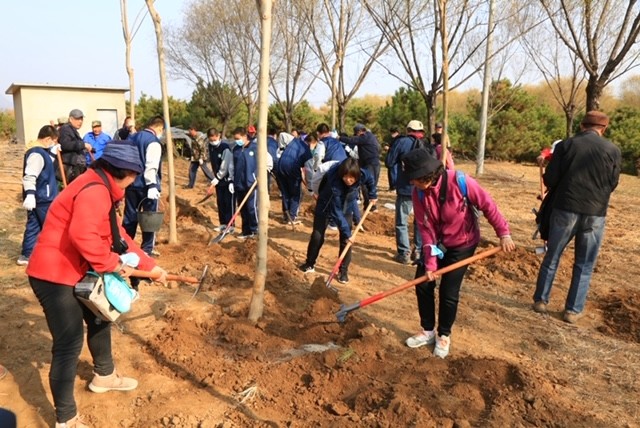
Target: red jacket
457	227
77	234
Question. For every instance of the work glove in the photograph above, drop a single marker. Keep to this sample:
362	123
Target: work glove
335	134
200	161
130	259
55	149
231	190
153	193
215	182
29	202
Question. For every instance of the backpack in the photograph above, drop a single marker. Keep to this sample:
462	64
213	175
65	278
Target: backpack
419	144
461	180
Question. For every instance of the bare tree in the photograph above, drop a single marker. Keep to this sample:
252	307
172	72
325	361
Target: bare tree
338	30
155	16
128	34
441	6
290	76
265	8
601	34
218	52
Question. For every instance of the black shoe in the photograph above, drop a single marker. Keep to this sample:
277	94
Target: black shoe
343	278
373	209
307	268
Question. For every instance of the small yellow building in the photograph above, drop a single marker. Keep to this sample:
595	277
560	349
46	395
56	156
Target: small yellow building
35	105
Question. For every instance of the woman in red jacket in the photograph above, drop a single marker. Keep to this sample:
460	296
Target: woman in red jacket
76	237
449	229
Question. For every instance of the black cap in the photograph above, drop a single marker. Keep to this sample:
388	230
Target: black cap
419	163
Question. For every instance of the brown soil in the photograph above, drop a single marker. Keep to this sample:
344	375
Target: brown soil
201	363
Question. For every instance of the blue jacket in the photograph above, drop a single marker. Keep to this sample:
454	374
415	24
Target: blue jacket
368	148
97	144
143	139
333	150
46	184
245	165
293	158
402	146
335	198
215	154
272	148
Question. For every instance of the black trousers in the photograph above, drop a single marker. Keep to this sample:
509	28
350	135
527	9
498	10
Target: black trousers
320	223
65	315
449	294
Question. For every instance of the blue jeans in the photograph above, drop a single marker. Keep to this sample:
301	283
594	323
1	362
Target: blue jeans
404	204
193	171
588	231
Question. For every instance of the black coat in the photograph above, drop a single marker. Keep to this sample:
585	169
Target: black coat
583	172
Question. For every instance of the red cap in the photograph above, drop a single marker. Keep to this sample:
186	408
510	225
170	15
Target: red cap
251	129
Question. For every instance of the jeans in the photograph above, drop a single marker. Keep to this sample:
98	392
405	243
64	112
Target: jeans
193	171
320	223
449	295
404	204
65	315
35	221
588	231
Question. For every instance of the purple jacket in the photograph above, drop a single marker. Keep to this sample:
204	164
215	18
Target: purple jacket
458	226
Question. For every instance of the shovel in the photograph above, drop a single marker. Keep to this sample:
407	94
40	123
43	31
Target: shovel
344	310
228	227
210	193
336	267
173	277
62	173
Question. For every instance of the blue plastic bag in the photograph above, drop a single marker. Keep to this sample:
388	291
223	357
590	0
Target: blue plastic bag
118	292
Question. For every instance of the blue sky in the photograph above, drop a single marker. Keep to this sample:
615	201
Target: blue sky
80	42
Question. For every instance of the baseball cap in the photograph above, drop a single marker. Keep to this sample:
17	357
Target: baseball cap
439	125
63	119
76	114
96	123
251	129
359	127
415	125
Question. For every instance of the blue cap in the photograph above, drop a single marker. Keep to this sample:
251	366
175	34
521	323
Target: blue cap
124	155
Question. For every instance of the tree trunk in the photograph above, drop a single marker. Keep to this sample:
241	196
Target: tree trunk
127	41
445	81
486	87
173	234
265	8
594	92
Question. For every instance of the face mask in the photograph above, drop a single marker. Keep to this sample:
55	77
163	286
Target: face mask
239	143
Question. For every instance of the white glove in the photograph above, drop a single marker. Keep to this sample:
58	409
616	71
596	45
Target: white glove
334	134
231	188
215	182
130	259
200	161
153	193
55	149
29	202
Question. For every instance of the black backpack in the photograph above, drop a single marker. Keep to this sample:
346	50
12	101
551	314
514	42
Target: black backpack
420	144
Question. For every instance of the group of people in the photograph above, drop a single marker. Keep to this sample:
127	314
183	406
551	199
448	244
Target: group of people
75	234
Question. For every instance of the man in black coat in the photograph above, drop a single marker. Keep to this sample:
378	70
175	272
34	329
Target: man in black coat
582	174
73	147
368	154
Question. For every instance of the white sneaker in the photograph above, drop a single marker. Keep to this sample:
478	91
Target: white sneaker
423	338
442	346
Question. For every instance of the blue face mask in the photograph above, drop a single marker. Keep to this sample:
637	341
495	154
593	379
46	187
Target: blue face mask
239	143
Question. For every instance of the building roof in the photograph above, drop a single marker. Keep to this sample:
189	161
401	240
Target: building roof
15	87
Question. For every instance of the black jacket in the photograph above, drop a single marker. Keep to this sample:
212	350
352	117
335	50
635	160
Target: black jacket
72	146
583	172
368	148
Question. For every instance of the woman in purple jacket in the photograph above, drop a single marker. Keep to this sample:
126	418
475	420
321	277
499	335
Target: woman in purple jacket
447	222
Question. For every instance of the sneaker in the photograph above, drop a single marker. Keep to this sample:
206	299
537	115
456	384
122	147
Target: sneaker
343	278
249	236
402	258
295	221
373	209
154	253
421	339
22	260
571	316
332	227
74	422
220	228
113	382
540	307
307	268
442	346
415	255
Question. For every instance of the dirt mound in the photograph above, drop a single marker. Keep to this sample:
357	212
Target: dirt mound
621	315
381	222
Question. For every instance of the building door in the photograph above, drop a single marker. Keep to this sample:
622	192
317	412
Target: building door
109	119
